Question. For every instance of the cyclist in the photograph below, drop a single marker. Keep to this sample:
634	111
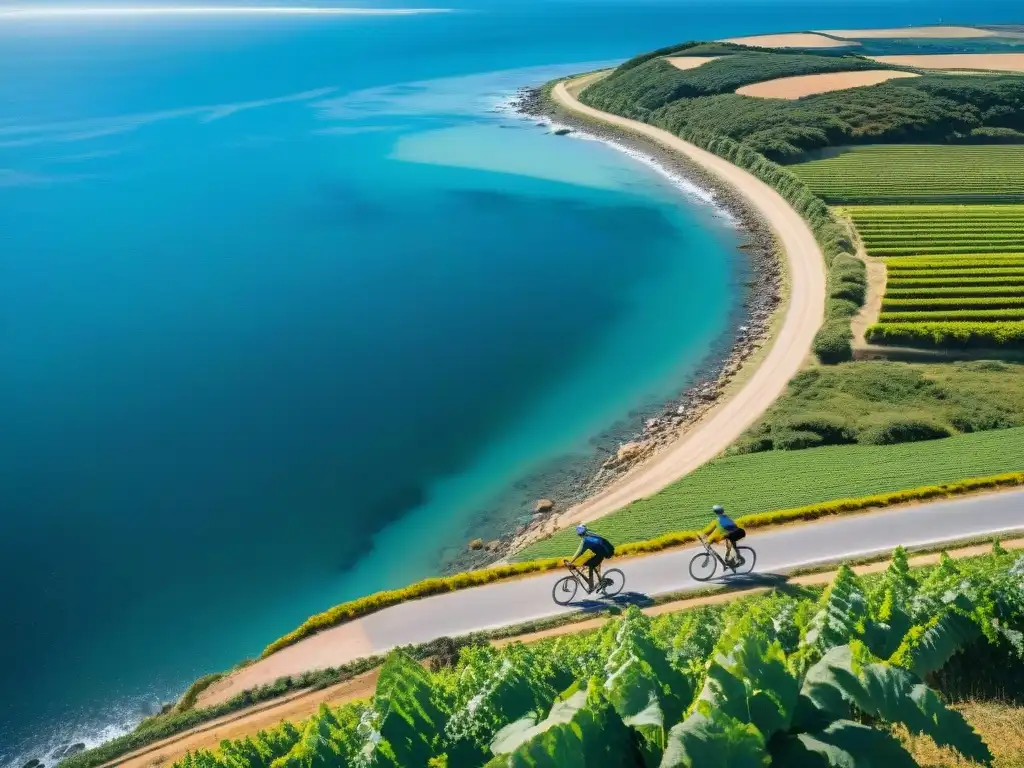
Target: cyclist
598	547
723	527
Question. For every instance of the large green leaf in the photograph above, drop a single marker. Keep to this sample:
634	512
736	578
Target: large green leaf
708	738
927	647
842	611
646	691
582	730
405	724
889	693
843	744
317	747
495	690
753	685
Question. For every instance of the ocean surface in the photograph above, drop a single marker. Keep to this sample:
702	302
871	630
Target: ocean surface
290	309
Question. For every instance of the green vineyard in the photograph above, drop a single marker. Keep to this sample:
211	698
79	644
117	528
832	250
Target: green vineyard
790	679
901	173
955	273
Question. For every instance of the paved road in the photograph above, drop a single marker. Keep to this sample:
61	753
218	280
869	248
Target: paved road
504	603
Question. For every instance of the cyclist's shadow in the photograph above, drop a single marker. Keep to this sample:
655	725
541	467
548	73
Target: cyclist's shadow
612	604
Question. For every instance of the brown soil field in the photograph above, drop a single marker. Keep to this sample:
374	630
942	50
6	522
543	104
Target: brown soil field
794	40
939	33
689	62
808	85
1002	62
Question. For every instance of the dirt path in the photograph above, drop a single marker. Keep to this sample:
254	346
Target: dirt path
302	705
789	350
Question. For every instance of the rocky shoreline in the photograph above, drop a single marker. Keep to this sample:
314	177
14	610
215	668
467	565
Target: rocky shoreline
659	427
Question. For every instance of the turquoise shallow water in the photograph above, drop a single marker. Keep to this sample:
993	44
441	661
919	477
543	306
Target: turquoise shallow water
289	312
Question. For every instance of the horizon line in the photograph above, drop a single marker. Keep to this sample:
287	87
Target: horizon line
55	11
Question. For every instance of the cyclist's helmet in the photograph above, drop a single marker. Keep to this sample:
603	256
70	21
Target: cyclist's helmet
718	509
581	530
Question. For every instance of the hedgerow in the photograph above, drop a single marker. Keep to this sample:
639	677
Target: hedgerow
950	334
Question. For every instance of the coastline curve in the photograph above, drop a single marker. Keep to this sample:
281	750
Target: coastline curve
788	350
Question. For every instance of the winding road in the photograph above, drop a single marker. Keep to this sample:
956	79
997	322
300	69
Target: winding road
779	551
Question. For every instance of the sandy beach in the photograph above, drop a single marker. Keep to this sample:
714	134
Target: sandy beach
807	85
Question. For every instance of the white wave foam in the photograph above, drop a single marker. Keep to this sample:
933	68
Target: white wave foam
120	719
226	10
681	182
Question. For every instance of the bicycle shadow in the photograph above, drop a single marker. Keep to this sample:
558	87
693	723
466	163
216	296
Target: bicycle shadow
778	581
615	604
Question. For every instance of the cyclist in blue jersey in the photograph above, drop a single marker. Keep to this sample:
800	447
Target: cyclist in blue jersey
727	530
597	547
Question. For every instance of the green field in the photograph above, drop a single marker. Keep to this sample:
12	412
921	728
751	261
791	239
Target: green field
893	173
762	482
876	402
955	273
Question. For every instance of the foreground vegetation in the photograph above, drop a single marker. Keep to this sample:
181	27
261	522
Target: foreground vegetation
910	173
881	403
785	679
764	482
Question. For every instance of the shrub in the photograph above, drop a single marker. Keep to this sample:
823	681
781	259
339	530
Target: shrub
831	430
902	431
840	309
795	440
832	344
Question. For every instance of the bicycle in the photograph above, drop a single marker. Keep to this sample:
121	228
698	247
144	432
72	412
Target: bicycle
704	565
565	588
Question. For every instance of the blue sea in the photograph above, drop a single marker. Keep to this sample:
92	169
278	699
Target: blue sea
291	308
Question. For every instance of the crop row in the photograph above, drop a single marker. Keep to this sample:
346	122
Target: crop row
953	290
944	250
953	303
900	282
958	315
949	334
954	266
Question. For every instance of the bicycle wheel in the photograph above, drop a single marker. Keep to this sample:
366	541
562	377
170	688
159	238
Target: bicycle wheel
703	566
749	558
614	581
565	590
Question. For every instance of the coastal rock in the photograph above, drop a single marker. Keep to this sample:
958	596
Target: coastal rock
652	424
33	763
543	506
493	546
562	131
629	451
476	544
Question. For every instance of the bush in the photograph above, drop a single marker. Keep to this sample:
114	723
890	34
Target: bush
830	430
840	309
832	344
795	440
902	431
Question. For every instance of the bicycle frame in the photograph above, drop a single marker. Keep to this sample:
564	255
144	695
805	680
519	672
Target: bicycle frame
712	551
583	579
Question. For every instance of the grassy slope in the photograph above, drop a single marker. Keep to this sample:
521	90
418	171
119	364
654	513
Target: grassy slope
860	397
780	479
